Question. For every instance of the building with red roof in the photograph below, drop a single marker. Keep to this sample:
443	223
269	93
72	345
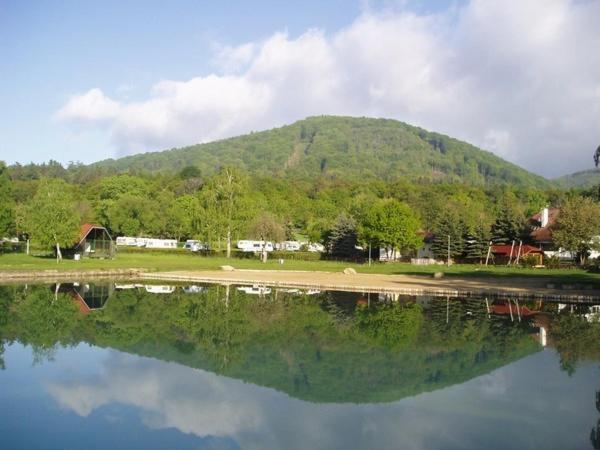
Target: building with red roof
94	241
541	227
505	253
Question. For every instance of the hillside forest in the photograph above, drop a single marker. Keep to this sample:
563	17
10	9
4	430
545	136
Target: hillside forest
339	205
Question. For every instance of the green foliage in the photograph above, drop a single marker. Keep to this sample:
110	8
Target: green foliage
330	348
477	243
50	216
7	204
449	233
576	339
342	239
510	220
392	225
583	179
394	325
341	148
578	226
267	227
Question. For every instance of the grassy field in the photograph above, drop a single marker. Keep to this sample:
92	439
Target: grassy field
166	262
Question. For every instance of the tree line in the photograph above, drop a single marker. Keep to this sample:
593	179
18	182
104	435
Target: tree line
49	202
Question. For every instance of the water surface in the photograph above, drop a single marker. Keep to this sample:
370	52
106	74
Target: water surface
132	366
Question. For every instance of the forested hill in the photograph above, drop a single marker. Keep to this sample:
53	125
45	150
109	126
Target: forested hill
341	147
584	179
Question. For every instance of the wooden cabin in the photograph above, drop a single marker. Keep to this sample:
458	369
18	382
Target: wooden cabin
94	242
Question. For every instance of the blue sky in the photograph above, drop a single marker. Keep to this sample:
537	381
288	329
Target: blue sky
83	81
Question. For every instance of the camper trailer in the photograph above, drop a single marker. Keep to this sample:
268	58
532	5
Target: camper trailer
195	246
126	240
161	243
254	246
288	246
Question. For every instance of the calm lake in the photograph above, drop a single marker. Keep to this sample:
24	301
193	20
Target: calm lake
130	366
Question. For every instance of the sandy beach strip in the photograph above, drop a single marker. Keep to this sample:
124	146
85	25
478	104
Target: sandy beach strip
402	284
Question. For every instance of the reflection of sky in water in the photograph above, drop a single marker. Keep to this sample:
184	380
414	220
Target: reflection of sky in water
89	397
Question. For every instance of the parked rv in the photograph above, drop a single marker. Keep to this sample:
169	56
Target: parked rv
288	246
161	243
195	246
316	247
126	240
254	246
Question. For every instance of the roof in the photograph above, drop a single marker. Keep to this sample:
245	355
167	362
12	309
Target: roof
543	234
85	230
506	249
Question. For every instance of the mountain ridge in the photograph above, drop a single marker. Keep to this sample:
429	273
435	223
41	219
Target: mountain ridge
581	179
341	147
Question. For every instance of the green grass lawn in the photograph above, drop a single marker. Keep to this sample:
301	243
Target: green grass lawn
188	261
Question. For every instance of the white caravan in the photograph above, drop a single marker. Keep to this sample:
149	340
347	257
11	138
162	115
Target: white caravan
288	246
126	240
316	247
162	243
194	245
254	246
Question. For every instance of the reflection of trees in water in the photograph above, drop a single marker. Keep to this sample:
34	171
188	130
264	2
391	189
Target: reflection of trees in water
595	433
328	347
595	436
576	339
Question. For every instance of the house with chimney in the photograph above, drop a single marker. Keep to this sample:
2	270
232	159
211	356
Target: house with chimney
541	225
541	228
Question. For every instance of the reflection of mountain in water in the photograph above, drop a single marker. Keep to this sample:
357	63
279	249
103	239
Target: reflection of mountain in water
329	347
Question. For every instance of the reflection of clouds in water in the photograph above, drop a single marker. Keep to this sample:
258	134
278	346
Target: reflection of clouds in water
169	395
491	411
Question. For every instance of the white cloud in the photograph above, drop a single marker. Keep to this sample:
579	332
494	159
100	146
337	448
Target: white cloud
522	78
93	106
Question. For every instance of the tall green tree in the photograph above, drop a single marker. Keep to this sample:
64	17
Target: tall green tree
51	218
341	240
392	225
510	220
477	243
267	227
223	198
578	226
450	233
6	203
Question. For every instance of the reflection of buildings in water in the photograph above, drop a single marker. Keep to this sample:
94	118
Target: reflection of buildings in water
120	286
194	289
594	314
159	289
255	290
87	296
590	312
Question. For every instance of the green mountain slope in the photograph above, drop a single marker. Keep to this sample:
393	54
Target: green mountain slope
583	179
341	147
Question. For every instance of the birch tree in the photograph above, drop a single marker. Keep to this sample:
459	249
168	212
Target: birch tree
51	218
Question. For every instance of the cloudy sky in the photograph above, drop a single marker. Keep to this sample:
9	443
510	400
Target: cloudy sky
83	81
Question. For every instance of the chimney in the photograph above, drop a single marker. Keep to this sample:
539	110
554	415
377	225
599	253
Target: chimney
544	218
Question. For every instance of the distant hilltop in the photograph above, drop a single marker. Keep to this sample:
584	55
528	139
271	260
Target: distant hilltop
341	147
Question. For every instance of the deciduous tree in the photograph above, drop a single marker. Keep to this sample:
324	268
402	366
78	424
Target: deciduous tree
51	218
578	226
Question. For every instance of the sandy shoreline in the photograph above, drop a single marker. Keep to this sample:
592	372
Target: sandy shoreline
402	284
524	287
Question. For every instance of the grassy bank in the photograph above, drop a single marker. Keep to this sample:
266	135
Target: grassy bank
166	262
